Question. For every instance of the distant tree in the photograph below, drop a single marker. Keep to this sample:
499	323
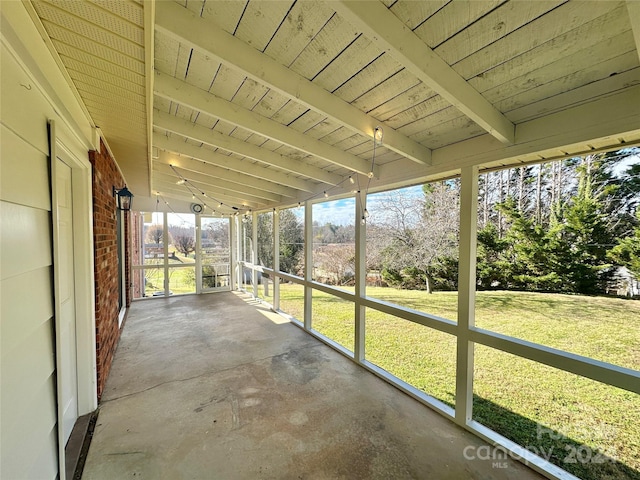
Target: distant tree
185	244
155	235
627	250
337	261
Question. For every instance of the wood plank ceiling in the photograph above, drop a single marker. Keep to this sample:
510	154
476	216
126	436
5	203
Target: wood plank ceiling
262	103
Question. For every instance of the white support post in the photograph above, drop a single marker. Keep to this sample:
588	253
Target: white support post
254	253
198	254
276	259
308	264
233	253
361	275
466	293
165	251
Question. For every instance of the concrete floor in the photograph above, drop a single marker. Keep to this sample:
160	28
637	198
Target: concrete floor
217	387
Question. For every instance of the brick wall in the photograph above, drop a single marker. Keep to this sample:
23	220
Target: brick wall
105	176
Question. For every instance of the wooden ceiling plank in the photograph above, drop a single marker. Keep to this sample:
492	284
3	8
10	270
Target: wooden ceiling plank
633	11
226	82
270	104
453	18
393	36
592	74
400	83
560	21
413	13
333	38
179	22
230	144
302	24
226	15
202	70
259	22
497	24
186	94
384	67
348	63
576	96
187	164
249	94
561	53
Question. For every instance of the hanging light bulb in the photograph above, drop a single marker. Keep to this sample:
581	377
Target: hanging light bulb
370	175
377	136
299	205
220	205
363	221
326	195
351	180
181	181
366	213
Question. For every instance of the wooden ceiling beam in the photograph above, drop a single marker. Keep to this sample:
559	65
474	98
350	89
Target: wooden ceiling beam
181	92
167	179
203	134
381	26
187	167
188	28
633	9
179	147
214	182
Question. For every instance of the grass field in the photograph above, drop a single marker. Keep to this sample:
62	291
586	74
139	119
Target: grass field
590	429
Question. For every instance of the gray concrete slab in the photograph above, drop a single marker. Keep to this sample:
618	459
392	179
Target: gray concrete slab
217	387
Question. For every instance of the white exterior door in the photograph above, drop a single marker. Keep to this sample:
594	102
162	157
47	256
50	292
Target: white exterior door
68	374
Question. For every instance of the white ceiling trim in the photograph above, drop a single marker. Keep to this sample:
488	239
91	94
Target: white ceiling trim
181	92
188	166
179	147
203	134
186	27
392	35
149	53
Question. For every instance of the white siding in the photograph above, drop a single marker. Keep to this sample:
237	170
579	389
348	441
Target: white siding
28	411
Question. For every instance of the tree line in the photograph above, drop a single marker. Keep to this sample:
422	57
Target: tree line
563	226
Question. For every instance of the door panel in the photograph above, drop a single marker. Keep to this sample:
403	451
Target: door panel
215	254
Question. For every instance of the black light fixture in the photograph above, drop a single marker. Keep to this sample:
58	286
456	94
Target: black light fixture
125	198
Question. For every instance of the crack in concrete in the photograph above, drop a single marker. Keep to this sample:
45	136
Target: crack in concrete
211	372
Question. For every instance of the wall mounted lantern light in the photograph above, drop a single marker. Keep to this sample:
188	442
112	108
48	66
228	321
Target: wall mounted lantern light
125	198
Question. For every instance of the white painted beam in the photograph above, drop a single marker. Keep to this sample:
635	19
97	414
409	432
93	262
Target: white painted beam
188	166
202	101
202	134
186	27
166	187
379	24
215	183
633	9
233	197
179	147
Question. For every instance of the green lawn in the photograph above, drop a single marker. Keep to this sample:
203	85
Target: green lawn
579	424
